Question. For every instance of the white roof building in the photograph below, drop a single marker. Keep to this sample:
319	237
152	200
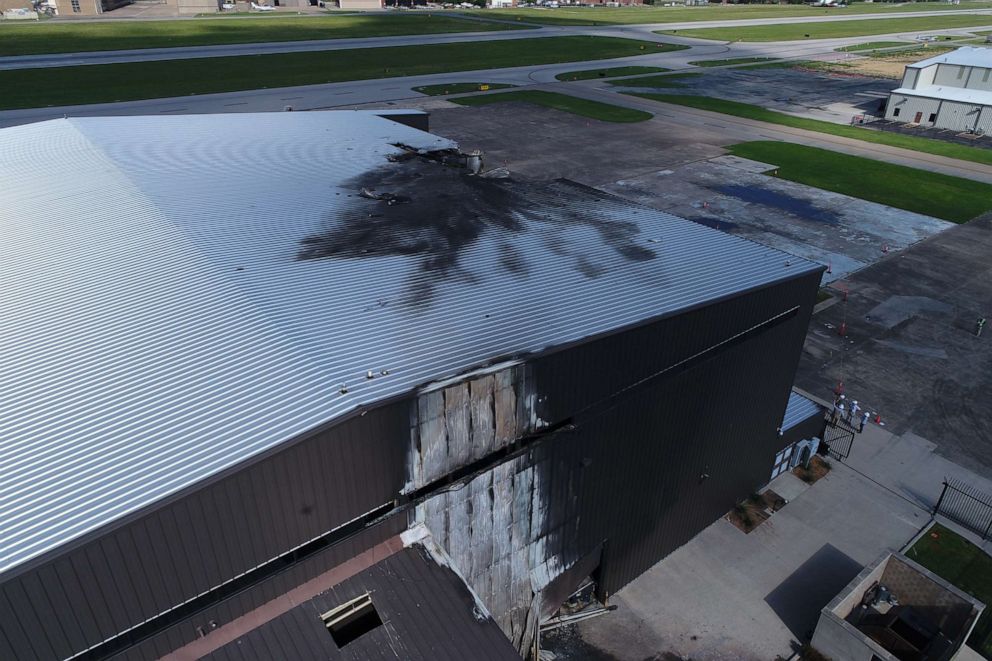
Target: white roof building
949	91
182	293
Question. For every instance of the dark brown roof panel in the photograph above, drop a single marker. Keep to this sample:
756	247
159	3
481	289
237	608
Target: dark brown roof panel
427	612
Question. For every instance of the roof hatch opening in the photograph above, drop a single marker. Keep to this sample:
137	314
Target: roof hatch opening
352	620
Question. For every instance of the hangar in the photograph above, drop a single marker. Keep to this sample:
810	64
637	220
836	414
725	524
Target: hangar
950	91
254	361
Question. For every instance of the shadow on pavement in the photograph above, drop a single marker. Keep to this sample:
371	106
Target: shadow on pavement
799	598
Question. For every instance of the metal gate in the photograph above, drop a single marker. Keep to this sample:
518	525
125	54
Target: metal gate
967	506
839	437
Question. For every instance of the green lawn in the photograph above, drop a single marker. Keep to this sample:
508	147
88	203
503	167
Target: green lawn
670	80
732	61
774	64
967	567
632	15
836	29
941	196
457	88
592	109
915	143
872	45
609	73
28	88
22	38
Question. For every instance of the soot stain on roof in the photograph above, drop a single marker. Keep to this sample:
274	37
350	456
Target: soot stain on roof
421	207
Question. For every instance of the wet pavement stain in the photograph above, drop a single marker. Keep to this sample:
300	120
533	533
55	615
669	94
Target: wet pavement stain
421	207
781	201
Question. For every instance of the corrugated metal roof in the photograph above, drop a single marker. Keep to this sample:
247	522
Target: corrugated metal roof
969	56
799	409
978	97
427	613
157	324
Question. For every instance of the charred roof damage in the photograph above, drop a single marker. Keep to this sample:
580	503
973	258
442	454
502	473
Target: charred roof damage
435	205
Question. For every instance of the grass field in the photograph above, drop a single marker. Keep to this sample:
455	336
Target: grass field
732	61
948	149
608	73
670	80
929	193
836	29
965	566
872	45
632	15
592	109
29	88
21	38
457	88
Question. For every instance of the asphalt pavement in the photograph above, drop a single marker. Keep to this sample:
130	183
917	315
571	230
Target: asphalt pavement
642	31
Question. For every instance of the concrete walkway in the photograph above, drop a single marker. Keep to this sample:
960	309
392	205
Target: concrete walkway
727	595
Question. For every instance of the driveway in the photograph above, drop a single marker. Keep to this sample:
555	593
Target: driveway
728	595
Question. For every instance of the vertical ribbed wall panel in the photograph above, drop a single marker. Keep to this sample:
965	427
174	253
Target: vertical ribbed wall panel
153	563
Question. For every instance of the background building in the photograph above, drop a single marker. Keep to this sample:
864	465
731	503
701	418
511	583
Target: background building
224	387
951	91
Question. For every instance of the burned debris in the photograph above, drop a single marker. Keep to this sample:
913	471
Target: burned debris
435	205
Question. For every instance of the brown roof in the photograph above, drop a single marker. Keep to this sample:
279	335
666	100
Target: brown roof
427	612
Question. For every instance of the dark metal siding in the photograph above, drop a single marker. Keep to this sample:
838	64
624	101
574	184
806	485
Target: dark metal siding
627	476
108	584
716	418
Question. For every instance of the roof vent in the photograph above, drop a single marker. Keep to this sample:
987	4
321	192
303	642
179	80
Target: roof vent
352	620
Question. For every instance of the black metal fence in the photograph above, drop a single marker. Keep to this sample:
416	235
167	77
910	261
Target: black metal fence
839	437
967	506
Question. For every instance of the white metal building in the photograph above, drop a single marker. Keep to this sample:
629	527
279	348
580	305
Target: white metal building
950	91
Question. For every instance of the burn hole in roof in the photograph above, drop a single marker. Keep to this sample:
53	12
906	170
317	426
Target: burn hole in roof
352	620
